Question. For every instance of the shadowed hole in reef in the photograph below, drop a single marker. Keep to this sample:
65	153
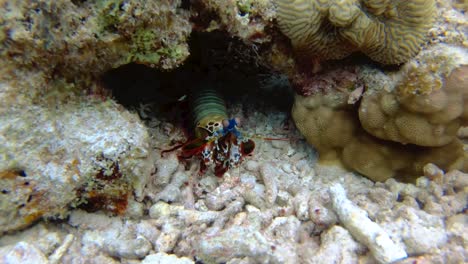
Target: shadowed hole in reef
216	60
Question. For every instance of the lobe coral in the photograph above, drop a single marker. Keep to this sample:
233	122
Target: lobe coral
403	121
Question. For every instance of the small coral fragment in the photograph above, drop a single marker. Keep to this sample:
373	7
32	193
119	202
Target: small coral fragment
363	229
389	32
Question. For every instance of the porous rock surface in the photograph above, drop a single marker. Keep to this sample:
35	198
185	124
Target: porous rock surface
51	157
90	37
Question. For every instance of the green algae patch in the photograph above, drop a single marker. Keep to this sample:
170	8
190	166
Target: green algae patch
146	48
111	12
244	6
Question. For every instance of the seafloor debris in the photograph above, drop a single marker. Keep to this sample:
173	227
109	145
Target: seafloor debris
219	221
22	252
164	258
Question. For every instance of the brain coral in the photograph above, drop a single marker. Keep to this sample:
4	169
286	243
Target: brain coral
427	106
389	32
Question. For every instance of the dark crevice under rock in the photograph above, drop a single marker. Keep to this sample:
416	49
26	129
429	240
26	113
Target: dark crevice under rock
217	60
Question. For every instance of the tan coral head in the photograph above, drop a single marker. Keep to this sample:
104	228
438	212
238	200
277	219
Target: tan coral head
389	32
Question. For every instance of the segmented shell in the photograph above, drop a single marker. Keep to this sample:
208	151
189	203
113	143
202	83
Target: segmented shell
209	111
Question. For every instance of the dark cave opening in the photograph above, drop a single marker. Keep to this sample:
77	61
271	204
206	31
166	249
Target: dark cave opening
223	62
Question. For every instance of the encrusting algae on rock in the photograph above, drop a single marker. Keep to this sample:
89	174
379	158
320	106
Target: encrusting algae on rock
71	38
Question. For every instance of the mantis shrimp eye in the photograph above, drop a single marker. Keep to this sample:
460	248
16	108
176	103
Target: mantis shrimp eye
238	121
225	123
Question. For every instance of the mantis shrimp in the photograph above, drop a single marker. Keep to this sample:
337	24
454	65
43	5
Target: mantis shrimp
217	139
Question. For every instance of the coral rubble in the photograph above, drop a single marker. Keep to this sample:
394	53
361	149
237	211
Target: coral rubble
22	252
239	230
373	236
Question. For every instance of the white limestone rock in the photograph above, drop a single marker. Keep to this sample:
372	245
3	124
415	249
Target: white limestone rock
22	252
39	236
172	191
65	147
234	243
420	232
165	168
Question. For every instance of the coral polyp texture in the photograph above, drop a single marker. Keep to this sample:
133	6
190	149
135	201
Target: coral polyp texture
427	106
402	122
303	22
330	125
389	32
